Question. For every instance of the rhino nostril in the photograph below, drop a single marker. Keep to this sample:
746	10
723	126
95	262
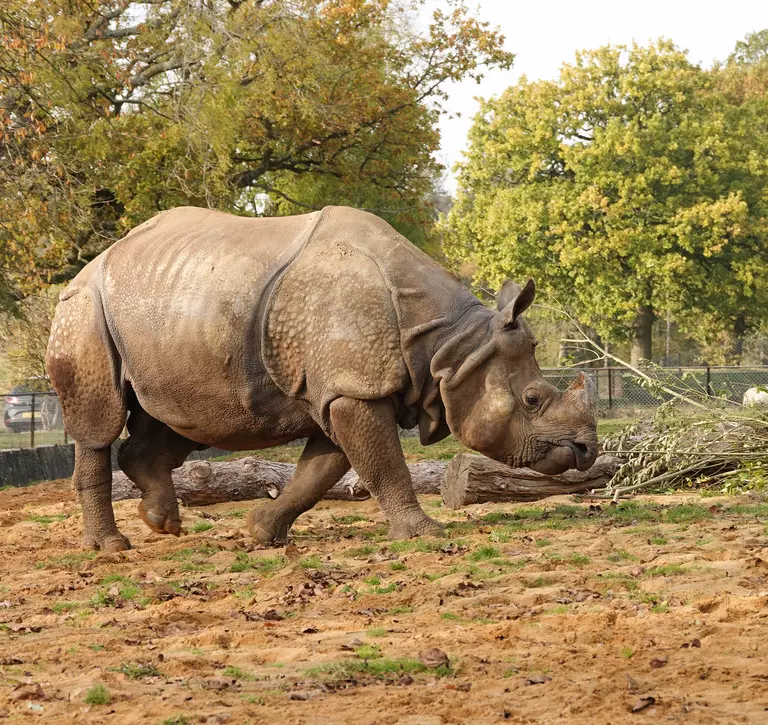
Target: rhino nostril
582	450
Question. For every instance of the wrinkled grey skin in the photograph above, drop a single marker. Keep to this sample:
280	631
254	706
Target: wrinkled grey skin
241	333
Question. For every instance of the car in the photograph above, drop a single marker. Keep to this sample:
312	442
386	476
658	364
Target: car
17	413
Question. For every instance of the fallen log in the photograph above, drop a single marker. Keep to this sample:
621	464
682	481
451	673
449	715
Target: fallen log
201	483
476	479
467	479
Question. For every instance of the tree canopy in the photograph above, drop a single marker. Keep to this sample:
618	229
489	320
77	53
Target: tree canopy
112	110
631	186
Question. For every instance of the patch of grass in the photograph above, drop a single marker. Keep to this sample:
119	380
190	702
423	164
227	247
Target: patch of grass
687	513
203	550
538	583
138	670
97	647
201	526
450	616
235	673
662	608
442	451
398	566
627	653
382	668
372	580
377	632
658	540
559	609
235	513
253	699
360	551
400	610
621	555
484	553
267	566
388	589
126	589
46	520
60	607
97	695
177	720
543	542
351	519
369	652
579	560
666	570
311	562
67	561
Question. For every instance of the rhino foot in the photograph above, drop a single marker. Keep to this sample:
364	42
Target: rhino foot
267	529
416	525
108	544
161	522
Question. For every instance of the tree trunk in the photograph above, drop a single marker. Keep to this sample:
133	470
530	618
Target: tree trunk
475	479
642	335
737	342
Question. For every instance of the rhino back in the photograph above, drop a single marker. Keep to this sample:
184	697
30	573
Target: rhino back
183	295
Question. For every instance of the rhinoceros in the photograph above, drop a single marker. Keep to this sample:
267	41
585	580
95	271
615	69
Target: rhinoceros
202	328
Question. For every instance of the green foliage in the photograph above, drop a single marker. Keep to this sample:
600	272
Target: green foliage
111	111
201	526
97	695
632	181
137	671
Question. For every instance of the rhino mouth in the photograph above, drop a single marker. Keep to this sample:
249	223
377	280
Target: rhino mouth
565	455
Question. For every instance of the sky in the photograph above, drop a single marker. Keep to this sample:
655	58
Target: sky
544	34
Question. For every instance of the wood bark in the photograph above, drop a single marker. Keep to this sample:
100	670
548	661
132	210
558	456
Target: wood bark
200	483
475	479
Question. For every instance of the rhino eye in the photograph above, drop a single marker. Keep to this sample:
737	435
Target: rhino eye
531	399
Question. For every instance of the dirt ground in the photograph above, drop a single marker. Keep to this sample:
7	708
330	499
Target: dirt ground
550	613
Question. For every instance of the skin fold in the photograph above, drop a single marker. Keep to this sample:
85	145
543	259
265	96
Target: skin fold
206	329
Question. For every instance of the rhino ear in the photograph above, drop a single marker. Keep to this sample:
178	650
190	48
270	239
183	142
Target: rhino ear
513	301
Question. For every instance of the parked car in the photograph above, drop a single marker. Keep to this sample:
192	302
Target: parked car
17	413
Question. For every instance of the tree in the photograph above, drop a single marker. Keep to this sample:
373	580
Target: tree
629	187
115	109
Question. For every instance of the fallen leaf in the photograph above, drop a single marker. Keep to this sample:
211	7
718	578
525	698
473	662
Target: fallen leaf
538	680
434	657
352	645
300	696
643	702
309	630
405	680
658	662
28	691
692	643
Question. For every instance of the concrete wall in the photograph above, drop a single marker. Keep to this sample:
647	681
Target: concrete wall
22	466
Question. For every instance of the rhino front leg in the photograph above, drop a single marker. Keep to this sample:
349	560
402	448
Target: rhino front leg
367	432
321	465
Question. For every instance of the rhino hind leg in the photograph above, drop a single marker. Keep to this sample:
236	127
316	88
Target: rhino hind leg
321	465
367	432
83	368
147	457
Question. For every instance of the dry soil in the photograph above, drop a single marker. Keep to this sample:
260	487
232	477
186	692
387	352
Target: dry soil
556	613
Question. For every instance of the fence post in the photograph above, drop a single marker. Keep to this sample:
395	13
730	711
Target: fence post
32	425
610	388
709	379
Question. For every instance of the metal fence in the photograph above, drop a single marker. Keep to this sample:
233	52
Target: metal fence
34	419
622	394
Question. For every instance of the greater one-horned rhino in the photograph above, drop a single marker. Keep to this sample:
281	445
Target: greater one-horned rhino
242	333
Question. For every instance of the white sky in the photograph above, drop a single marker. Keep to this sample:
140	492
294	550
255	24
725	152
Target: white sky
543	34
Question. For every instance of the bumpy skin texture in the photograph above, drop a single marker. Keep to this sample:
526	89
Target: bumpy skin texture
211	329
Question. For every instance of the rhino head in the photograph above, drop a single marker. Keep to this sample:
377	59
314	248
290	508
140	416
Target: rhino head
497	402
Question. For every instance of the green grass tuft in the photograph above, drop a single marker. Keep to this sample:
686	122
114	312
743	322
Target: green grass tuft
97	695
201	526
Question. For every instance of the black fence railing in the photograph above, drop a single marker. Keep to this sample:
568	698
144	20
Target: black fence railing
34	419
621	393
